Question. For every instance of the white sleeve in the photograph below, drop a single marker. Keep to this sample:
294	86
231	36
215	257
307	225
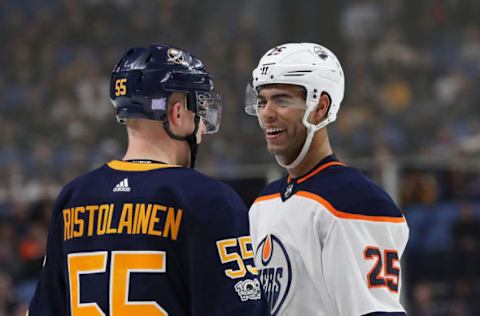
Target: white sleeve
361	262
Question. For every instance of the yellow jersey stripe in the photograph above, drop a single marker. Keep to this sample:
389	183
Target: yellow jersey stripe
136	166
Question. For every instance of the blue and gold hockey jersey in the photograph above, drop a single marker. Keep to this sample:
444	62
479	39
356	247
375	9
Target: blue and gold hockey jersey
135	238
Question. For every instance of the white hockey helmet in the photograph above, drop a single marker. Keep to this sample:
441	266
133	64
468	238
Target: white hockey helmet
308	65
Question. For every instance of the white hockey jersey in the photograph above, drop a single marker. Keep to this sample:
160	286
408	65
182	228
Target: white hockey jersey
329	244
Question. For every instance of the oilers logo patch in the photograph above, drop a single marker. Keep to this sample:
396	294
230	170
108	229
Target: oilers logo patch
275	271
275	51
288	192
320	52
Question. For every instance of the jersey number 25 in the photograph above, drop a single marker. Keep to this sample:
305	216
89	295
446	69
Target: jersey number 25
385	272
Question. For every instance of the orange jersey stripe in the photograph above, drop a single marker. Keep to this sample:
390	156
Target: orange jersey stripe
334	211
346	215
314	172
267	197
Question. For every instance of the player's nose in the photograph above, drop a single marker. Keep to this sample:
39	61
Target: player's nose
268	112
202	127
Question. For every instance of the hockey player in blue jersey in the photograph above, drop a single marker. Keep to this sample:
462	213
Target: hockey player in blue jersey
327	240
147	235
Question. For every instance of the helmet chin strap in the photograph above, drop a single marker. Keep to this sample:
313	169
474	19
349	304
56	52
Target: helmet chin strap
311	130
190	139
306	146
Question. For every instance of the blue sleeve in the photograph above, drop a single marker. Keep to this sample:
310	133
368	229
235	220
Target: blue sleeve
50	294
222	282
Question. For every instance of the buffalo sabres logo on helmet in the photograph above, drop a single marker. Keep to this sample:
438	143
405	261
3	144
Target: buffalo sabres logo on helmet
275	271
175	55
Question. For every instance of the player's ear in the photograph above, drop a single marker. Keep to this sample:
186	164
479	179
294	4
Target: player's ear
321	111
175	109
174	113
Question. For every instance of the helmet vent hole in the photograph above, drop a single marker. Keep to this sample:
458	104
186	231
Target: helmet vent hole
297	73
300	71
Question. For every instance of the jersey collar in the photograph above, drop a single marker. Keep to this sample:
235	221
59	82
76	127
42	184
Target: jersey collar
289	188
330	160
137	166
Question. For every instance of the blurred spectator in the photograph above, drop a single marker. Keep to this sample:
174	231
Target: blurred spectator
449	87
8	300
470	49
420	188
466	236
395	95
423	303
393	50
361	20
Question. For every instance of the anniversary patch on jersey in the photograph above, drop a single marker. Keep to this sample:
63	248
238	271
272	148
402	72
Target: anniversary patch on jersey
248	290
275	271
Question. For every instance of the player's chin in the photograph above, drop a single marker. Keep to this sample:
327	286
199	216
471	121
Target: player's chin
275	149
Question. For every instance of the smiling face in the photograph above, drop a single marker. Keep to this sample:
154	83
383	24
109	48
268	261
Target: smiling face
280	111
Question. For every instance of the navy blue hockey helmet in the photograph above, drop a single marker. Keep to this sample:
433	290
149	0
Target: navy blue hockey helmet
144	78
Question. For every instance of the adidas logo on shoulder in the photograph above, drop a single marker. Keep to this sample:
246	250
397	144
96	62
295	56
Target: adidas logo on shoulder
122	186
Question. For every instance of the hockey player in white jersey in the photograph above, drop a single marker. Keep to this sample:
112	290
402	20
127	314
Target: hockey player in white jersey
327	240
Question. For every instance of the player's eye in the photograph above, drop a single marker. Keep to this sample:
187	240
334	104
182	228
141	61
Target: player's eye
261	103
283	102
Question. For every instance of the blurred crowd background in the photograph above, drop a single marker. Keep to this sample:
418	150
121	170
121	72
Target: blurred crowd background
410	117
